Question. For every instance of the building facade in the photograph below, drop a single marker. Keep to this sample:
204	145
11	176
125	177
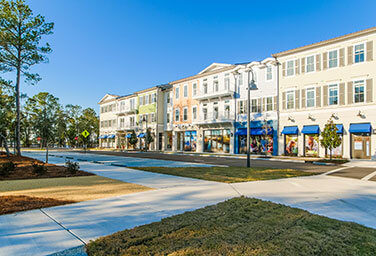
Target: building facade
332	79
108	121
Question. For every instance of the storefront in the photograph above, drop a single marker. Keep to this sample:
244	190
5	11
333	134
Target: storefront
291	140
217	140
338	151
311	140
261	141
190	141
168	141
360	136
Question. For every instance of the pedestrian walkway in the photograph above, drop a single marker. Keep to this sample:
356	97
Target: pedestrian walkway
50	230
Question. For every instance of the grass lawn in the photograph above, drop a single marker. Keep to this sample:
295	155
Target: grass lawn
73	189
241	226
228	174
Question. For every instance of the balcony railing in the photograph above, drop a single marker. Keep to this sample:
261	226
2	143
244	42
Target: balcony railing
203	95
125	111
215	117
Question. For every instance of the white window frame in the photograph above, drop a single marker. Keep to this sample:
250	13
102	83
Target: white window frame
271	104
177	92
185	91
364	52
147	100
194	113
185	114
267	73
337	59
330	86
227	81
215	85
364	90
177	114
293	99
293	68
314	64
194	89
310	89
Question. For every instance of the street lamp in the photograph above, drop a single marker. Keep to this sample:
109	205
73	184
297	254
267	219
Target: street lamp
251	87
145	120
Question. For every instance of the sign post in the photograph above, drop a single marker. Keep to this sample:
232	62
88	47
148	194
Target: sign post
85	133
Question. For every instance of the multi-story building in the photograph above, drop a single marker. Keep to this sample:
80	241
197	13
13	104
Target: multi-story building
127	108
263	107
332	79
108	121
167	140
203	112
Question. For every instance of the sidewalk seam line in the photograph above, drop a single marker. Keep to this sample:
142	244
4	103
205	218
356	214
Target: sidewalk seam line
336	170
61	225
369	176
237	191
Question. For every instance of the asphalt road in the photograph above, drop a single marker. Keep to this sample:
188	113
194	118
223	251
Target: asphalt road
229	161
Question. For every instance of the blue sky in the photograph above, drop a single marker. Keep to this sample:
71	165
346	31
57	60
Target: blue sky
123	46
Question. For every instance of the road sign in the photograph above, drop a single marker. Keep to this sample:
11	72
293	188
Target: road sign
38	139
85	133
76	138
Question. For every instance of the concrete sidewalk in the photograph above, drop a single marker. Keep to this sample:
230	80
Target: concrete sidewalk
49	230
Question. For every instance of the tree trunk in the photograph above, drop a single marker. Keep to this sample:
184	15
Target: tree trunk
18	139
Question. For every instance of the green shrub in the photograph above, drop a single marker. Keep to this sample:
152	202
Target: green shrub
73	167
7	168
39	169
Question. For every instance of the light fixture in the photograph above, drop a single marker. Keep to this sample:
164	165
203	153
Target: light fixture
290	118
361	114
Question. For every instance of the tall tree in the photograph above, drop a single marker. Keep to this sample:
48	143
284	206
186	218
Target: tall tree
20	48
330	138
73	113
43	108
89	121
6	111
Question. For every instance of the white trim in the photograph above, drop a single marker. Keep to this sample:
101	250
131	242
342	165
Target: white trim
194	107
364	92
314	64
293	92
328	60
314	96
185	86
185	108
337	86
293	60
266	73
364	52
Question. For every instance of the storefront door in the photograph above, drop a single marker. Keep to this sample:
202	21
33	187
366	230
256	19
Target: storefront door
361	146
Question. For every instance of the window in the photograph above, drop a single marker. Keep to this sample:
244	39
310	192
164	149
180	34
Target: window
102	124
185	114
146	99
333	59
154	98
242	107
194	113
185	91
131	120
227	111
240	78
290	99
254	105
359	91
141	100
205	88
177	115
269	104
194	89
310	66
122	123
205	113
290	70
152	117
310	97
333	94
215	86
168	99
269	73
177	92
227	82
215	112
150	98
114	123
168	118
359	53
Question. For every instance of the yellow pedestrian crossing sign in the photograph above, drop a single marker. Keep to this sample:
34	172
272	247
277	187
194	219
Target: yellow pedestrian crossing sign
85	133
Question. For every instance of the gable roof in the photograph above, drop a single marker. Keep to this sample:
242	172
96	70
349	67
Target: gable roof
108	97
326	42
214	66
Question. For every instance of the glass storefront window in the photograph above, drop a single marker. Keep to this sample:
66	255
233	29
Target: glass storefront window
217	141
260	144
291	145
190	141
311	144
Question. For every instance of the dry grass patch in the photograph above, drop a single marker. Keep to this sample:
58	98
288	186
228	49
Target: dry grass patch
228	174
74	189
11	204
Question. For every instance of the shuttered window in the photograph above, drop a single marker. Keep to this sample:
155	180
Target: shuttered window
310	66
342	93
359	53
333	94
359	91
370	51
318	96
369	86
290	70
290	100
318	62
310	97
349	55
333	59
342	57
269	104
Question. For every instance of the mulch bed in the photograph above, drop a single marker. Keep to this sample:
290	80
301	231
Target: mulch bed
24	169
11	204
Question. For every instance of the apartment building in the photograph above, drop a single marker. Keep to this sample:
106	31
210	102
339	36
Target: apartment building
108	121
204	110
332	79
263	107
127	109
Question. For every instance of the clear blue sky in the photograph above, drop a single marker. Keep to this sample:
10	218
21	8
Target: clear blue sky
123	46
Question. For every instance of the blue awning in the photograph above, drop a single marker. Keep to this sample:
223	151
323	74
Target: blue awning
311	129
112	136
103	137
339	128
290	130
254	131
141	135
360	128
128	135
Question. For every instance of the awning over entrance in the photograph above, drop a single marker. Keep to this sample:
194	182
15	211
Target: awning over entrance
128	136
311	129
360	128
141	135
112	136
290	130
255	131
339	128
